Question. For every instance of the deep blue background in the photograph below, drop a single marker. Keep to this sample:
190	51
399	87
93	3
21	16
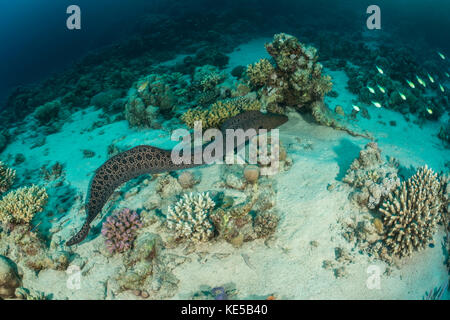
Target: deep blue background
35	41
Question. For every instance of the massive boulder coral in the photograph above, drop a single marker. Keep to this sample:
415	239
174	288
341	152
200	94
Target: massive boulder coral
20	206
189	218
152	95
9	278
411	213
7	177
372	177
296	78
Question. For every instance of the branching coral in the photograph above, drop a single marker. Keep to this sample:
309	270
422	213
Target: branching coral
219	112
189	218
120	230
207	77
20	206
373	178
411	212
7	177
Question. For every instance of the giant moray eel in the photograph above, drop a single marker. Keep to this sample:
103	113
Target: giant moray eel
147	159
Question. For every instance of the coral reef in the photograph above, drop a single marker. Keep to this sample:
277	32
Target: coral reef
20	206
120	230
207	78
9	278
106	99
218	112
372	177
265	224
7	177
189	217
411	213
295	80
152	95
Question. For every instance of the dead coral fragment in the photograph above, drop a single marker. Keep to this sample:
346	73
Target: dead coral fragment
411	212
7	177
20	206
219	112
189	218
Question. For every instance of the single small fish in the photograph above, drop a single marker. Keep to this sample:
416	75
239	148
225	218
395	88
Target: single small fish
410	83
376	104
371	89
379	69
402	95
441	87
447	75
420	81
143	86
356	108
381	89
441	55
431	78
429	111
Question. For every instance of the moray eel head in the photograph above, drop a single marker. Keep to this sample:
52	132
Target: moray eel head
255	120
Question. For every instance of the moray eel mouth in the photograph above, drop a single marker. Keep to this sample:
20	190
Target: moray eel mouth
147	159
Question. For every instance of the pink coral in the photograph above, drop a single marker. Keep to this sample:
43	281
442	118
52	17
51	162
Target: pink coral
120	230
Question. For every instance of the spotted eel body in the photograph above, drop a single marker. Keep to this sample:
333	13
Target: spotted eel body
149	160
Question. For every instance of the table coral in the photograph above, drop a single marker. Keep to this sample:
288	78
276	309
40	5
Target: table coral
20	206
189	217
7	177
411	213
120	230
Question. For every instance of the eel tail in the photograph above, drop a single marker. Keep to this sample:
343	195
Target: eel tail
80	236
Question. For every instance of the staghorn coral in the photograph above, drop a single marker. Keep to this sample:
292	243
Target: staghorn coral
7	177
120	230
372	177
219	112
189	217
20	206
410	214
295	80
